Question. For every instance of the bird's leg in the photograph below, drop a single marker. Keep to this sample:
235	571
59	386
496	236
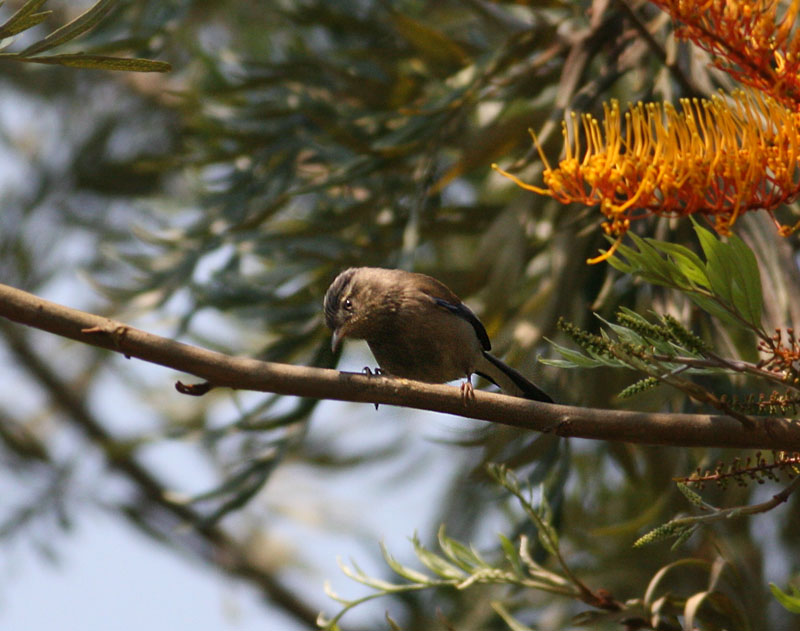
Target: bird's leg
467	391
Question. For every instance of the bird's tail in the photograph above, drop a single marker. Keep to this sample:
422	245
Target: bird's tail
509	380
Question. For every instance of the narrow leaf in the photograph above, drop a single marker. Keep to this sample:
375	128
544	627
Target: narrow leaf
693	604
749	278
712	307
624	333
16	24
435	563
654	266
617	263
81	24
402	570
655	586
690	265
457	552
719	266
31	6
511	622
572	359
789	602
511	554
100	62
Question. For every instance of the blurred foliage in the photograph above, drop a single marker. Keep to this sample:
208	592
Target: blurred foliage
29	16
294	139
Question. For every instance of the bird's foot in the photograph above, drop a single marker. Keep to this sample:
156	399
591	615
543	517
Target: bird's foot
369	372
467	391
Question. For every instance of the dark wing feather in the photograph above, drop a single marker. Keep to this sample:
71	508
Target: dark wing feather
463	311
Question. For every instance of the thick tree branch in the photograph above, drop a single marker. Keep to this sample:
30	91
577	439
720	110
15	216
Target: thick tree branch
249	374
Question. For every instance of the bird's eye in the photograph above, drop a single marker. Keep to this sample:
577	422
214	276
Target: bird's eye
348	305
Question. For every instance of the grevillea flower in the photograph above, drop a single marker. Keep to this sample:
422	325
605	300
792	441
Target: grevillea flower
747	39
720	158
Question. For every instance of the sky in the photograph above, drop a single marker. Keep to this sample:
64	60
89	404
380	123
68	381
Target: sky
107	575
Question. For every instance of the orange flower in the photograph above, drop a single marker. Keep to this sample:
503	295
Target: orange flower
720	157
747	41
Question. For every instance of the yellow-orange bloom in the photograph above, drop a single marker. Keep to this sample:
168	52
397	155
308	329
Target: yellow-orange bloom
747	40
719	158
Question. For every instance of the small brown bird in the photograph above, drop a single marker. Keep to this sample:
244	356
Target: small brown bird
417	329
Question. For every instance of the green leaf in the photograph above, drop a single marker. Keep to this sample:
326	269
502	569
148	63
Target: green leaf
81	24
513	623
18	23
720	266
715	309
30	7
512	554
99	62
402	570
548	535
461	555
357	574
689	264
748	278
654	267
683	537
624	333
617	263
789	602
435	563
572	358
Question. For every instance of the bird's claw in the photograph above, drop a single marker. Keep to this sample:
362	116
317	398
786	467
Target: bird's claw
467	391
369	372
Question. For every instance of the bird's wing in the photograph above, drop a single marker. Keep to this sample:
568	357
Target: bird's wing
463	311
445	298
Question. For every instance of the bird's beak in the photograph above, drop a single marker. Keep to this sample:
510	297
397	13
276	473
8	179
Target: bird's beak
336	339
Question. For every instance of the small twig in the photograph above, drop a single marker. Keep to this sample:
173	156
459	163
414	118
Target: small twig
715	361
736	511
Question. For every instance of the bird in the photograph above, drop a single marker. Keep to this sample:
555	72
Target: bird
417	328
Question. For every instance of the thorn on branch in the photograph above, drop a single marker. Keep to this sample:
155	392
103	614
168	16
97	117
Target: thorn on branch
194	389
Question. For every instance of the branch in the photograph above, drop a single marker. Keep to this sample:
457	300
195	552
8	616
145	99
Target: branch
683	527
248	374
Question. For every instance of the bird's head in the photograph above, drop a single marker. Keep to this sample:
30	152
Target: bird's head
347	303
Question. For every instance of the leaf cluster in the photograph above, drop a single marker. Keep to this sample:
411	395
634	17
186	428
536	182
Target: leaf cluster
30	15
725	283
460	567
